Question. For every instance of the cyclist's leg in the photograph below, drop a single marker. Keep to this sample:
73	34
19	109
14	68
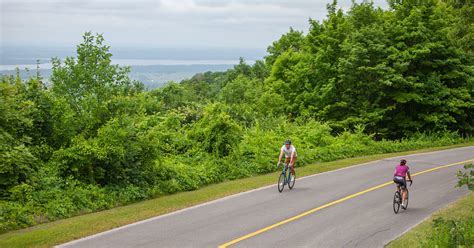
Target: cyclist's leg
287	162
292	166
397	183
400	187
404	191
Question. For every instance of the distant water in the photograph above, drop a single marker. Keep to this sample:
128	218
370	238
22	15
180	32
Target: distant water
133	62
152	66
153	73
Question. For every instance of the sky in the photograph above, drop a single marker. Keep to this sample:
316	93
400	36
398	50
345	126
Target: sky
252	24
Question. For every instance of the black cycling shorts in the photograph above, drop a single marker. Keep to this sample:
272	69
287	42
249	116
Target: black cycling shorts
400	181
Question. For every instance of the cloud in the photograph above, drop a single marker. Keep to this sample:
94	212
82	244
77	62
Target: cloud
221	23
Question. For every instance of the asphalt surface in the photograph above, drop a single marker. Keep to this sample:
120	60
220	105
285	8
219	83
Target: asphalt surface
366	220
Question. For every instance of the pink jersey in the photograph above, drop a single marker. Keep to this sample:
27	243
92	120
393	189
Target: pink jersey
401	171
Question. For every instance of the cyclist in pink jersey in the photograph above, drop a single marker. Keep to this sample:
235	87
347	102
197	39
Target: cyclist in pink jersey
399	177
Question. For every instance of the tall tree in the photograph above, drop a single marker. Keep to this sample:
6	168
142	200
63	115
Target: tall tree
90	80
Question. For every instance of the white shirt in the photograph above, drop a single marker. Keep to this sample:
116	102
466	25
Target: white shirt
289	152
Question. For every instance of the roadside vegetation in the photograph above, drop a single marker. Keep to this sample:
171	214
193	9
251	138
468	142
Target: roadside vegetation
369	81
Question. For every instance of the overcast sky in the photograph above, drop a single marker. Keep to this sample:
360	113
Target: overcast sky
158	23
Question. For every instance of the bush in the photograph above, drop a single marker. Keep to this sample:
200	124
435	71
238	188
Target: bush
451	233
119	154
14	215
216	132
174	176
466	178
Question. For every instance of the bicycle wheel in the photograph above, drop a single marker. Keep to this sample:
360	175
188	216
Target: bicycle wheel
291	181
281	182
406	199
397	200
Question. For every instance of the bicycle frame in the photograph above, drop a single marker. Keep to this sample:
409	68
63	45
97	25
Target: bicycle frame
286	178
286	169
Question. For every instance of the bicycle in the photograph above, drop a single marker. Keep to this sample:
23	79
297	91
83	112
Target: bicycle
397	199
286	178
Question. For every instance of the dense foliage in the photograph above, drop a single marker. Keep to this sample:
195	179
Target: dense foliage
362	82
456	232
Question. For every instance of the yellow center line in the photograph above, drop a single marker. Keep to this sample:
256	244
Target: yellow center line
330	204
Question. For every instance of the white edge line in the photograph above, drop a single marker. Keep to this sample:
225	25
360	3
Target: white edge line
236	195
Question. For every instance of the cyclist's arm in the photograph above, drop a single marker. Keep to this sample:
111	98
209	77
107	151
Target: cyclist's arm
409	176
281	155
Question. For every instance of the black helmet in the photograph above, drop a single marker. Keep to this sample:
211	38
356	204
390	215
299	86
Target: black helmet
288	141
403	161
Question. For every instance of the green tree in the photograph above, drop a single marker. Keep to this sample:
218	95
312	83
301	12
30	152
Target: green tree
89	81
431	88
293	40
354	96
16	160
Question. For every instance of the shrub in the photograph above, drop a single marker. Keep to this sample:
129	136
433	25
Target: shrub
14	215
120	154
451	233
466	178
216	131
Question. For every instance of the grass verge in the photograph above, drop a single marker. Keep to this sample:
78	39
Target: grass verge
61	231
420	235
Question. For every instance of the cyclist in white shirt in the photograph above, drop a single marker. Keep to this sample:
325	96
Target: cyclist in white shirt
290	155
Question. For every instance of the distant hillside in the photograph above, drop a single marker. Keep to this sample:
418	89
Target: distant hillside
152	76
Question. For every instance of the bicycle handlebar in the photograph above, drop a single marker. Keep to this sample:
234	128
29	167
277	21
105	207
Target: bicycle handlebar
284	164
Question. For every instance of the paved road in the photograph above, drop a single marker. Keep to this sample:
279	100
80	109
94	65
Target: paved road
366	220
